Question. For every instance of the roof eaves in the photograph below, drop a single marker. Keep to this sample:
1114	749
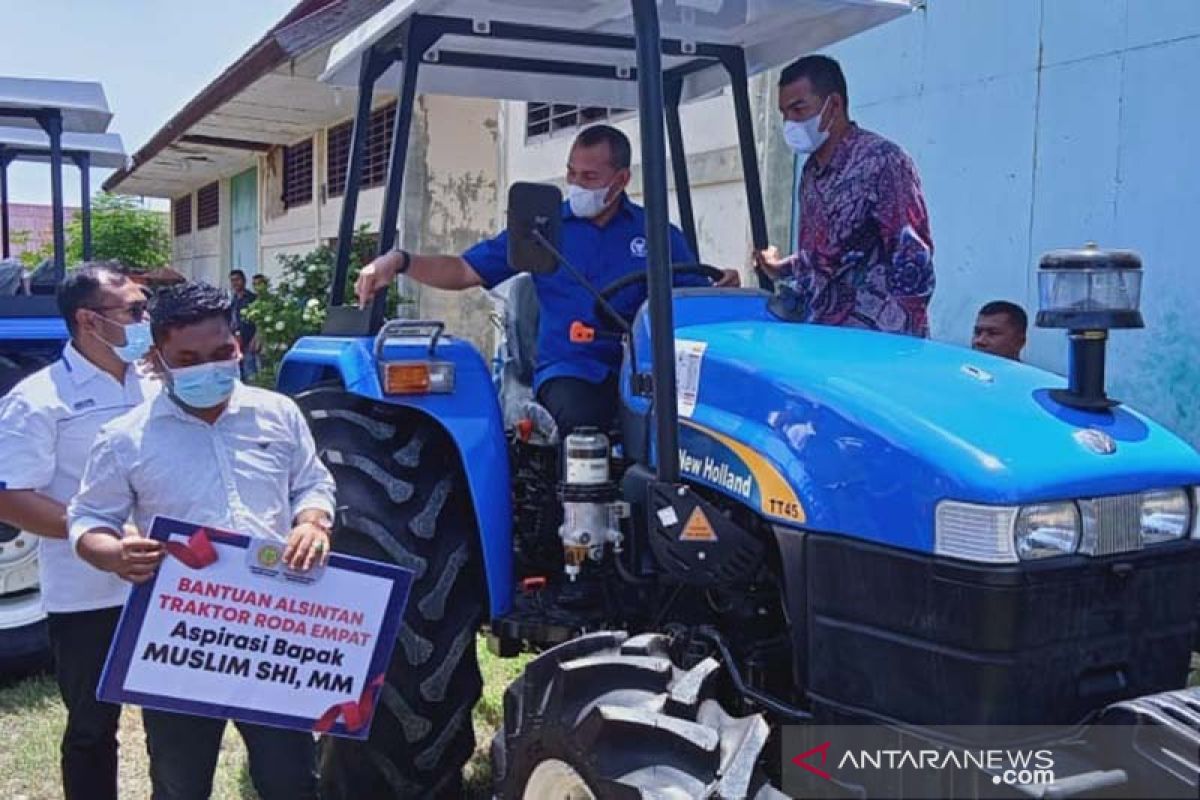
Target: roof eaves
266	54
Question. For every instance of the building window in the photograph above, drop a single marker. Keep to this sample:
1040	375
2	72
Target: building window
377	151
297	174
544	119
181	213
208	206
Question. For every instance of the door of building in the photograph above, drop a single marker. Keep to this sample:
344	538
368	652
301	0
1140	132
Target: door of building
243	204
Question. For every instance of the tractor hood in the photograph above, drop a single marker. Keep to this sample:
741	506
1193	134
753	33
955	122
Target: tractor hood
870	430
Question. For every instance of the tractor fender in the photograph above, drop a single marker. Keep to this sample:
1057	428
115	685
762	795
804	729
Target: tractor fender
470	415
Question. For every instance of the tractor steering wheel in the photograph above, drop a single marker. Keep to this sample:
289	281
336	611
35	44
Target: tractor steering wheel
712	273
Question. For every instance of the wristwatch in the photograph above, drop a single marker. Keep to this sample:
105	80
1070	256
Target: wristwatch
405	261
319	519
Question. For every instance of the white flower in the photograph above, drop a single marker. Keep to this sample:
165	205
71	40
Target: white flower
279	325
313	303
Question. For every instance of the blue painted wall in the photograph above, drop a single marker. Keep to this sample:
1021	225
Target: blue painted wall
1039	124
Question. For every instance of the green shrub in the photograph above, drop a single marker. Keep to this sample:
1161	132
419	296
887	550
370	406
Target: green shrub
295	305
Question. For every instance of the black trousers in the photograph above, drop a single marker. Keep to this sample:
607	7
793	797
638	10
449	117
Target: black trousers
576	403
184	748
80	641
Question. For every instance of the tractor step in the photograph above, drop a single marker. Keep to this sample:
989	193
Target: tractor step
542	619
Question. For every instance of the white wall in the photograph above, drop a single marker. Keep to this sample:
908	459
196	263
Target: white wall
293	232
202	254
1039	124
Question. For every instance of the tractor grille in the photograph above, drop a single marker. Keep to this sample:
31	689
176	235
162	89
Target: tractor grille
1111	525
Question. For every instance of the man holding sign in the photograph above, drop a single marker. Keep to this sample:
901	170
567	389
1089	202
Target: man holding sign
217	453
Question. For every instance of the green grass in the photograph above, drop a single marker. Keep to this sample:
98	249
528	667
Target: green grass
32	719
498	673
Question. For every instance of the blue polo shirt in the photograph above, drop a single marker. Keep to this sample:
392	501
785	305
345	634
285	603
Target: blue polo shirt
602	255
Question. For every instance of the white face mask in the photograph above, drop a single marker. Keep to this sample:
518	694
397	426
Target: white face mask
586	203
137	340
204	385
806	137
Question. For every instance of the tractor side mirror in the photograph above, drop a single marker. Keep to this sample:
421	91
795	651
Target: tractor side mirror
534	221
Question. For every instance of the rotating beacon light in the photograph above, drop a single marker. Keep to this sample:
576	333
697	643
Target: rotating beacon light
1088	292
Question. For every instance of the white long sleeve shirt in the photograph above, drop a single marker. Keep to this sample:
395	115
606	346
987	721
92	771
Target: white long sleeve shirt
48	423
252	471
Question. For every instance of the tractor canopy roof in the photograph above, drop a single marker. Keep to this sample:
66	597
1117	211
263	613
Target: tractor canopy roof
105	150
82	103
582	51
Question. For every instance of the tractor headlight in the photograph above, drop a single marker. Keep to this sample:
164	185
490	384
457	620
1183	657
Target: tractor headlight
1046	530
1166	515
975	532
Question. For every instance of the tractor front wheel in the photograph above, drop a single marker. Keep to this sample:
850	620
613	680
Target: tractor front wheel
608	716
403	499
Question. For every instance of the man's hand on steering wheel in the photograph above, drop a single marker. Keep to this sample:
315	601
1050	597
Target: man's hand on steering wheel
716	277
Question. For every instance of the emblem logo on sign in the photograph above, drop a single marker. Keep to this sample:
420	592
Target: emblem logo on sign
637	246
269	556
1097	441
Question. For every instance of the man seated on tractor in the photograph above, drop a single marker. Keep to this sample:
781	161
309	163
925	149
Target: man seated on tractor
1000	329
604	237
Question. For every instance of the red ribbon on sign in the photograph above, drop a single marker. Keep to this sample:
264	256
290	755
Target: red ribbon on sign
197	553
356	713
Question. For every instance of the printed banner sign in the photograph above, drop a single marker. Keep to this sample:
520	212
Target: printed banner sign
224	630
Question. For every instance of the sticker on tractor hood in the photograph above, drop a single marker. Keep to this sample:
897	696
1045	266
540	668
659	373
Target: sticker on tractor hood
689	357
712	458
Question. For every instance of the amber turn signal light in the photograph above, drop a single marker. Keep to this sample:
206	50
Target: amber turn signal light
418	377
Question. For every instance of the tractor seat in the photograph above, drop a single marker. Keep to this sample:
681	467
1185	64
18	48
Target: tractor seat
521	327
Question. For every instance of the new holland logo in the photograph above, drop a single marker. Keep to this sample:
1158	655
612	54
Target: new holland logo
1097	441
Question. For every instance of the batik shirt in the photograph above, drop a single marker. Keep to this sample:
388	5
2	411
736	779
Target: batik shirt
865	255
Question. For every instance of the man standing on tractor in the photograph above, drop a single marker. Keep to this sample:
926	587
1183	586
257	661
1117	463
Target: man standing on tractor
604	236
47	425
864	257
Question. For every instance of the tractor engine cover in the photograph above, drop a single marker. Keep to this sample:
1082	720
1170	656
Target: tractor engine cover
695	543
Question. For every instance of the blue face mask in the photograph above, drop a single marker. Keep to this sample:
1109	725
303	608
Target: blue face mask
137	341
204	385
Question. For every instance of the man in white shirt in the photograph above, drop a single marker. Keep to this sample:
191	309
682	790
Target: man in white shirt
47	425
212	451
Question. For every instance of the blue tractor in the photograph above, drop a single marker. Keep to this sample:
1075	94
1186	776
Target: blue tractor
794	524
51	122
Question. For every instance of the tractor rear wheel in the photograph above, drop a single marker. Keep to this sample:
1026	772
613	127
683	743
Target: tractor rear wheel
608	716
403	499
